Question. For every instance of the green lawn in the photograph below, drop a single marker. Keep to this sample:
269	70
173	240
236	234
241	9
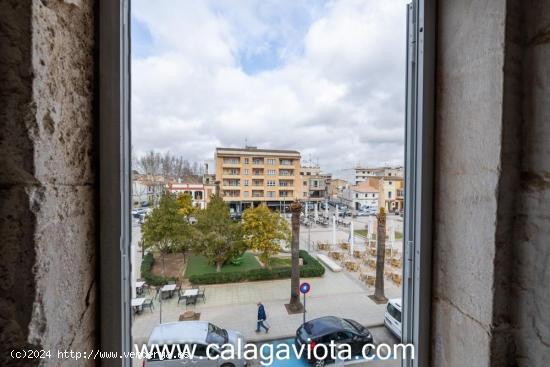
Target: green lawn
197	265
277	262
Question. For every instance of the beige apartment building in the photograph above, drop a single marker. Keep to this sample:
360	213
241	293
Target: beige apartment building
250	176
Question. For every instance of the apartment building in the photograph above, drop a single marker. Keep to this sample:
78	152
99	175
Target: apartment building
250	176
363	173
314	183
391	192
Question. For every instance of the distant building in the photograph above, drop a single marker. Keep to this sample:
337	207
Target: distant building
391	192
363	173
200	193
146	190
336	187
250	176
314	183
361	196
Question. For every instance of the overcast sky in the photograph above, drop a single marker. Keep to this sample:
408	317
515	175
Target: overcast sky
322	77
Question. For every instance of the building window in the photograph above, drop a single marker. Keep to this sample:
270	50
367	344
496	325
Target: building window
271	161
246	161
246	182
270	183
245	194
271	194
389	194
246	171
271	172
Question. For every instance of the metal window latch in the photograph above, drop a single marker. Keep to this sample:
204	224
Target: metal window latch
409	255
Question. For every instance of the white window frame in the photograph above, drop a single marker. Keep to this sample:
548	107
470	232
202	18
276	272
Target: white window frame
114	228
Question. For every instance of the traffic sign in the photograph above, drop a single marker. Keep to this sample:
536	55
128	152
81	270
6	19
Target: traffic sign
304	287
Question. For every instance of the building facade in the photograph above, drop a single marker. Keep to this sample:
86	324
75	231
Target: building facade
250	176
361	197
200	193
336	187
363	173
314	183
391	192
147	190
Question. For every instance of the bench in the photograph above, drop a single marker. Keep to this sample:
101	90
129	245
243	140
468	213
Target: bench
329	263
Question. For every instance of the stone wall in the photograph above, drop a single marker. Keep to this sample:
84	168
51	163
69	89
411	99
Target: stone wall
531	283
491	259
47	186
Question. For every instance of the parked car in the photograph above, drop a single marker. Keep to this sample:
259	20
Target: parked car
325	329
392	317
200	333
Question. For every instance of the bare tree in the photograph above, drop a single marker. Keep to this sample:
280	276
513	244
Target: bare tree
150	163
168	165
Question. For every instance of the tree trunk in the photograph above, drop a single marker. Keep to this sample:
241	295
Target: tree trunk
219	266
163	266
380	254
295	304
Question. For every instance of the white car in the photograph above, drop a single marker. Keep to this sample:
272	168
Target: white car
198	333
392	317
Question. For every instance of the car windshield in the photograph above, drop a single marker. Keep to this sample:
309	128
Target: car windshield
346	325
394	312
216	335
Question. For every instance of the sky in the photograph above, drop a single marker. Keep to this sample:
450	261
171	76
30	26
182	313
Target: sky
326	78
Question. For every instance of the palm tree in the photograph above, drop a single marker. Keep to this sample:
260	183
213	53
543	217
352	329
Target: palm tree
380	254
295	305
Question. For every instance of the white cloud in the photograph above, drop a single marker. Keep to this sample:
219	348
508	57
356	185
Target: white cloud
335	92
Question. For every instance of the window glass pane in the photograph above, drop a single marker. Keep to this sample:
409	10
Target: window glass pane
236	119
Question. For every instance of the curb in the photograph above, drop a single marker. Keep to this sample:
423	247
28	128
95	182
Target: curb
272	339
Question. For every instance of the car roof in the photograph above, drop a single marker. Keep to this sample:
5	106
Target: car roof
323	325
179	332
396	302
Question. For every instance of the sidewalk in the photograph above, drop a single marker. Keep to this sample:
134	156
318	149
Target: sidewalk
233	306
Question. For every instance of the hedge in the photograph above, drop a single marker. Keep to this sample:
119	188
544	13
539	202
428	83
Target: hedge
311	268
148	277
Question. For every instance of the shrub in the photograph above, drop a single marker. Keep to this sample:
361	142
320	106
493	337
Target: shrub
150	278
311	268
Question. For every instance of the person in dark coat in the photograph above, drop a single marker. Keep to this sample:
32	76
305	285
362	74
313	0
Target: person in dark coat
261	318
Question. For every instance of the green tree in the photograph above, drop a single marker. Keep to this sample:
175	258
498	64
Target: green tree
216	235
185	204
165	229
264	231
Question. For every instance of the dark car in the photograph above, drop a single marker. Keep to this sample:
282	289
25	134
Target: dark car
325	329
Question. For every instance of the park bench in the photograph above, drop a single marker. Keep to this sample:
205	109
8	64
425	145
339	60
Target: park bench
329	263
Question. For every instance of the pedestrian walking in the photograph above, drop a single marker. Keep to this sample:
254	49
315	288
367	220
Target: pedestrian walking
261	318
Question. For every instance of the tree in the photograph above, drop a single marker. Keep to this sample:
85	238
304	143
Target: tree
217	236
150	163
185	204
295	305
264	230
165	229
380	254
